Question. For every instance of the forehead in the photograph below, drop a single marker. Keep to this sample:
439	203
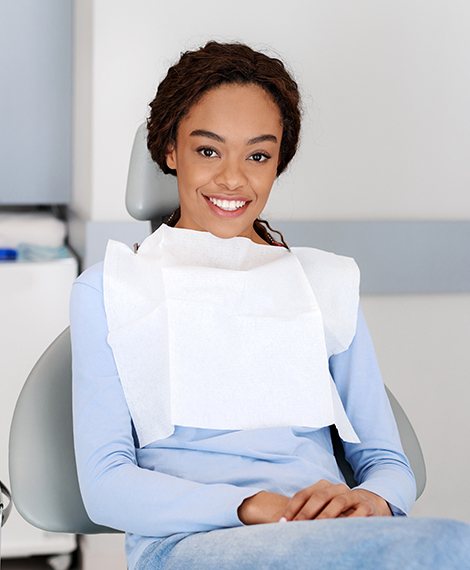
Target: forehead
246	110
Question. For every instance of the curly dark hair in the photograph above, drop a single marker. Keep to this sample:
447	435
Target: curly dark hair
210	66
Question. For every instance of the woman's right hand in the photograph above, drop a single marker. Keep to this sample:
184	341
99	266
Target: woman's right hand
264	507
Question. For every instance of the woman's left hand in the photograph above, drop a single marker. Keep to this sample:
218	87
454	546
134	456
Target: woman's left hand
326	500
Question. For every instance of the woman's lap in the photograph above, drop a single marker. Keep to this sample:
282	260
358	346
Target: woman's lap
340	544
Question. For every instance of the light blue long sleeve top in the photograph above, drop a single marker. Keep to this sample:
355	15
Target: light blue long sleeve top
195	479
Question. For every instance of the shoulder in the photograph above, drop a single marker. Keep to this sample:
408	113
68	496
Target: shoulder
335	281
87	289
92	277
86	299
332	274
316	259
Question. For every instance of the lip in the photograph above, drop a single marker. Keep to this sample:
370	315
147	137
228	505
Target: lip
223	213
235	198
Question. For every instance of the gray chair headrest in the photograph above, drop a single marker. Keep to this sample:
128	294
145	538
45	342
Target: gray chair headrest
150	194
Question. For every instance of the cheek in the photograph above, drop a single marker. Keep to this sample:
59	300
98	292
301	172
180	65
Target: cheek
263	179
192	174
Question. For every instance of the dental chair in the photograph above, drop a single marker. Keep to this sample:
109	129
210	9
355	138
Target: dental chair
43	477
4	510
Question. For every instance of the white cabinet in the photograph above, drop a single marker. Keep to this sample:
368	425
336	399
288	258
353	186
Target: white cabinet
34	309
100	551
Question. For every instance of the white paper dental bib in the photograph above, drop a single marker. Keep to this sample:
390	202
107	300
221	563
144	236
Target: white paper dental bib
226	333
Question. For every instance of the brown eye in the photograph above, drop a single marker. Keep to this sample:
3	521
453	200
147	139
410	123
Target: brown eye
260	157
207	152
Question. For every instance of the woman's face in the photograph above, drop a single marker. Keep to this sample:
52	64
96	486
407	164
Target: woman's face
227	148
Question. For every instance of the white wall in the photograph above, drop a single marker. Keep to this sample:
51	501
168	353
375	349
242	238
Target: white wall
385	83
386	135
421	343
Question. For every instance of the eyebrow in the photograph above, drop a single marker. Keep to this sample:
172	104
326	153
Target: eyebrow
216	137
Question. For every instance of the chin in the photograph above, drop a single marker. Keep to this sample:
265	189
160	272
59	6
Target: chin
226	233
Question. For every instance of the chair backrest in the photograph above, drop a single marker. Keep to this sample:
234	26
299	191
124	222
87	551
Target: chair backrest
43	475
42	468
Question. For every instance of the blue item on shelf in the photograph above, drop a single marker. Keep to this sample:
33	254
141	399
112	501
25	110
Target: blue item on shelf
32	252
8	254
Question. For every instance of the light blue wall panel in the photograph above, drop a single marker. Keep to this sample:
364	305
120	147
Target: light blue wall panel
35	101
394	256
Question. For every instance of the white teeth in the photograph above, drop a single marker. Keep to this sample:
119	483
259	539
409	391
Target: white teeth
227	204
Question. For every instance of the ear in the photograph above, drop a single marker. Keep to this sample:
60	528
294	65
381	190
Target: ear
171	157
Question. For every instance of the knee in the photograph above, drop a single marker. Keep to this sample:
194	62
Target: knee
443	529
449	538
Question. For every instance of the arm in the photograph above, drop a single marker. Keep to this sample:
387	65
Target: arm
117	492
379	462
386	481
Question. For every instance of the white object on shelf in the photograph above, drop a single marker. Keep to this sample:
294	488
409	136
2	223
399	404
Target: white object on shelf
38	228
34	310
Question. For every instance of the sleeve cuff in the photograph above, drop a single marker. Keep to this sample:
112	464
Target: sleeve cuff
394	487
396	512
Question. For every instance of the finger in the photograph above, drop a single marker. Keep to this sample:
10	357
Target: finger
337	506
363	510
296	504
316	505
323	491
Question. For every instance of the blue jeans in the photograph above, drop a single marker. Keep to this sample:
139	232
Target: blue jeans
363	543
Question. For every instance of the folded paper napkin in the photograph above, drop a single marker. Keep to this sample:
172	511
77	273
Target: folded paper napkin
225	333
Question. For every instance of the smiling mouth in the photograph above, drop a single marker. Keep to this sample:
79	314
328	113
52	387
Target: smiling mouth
227	213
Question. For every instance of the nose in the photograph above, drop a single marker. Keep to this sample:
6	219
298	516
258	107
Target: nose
231	175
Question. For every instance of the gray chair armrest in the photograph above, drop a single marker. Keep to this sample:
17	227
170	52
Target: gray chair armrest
410	444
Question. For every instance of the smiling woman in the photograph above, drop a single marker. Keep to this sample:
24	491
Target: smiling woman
208	372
